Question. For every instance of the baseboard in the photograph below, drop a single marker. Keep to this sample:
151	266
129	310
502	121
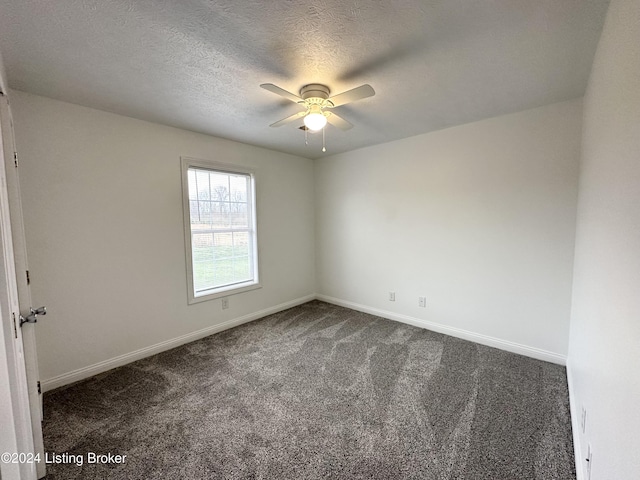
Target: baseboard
100	367
575	424
507	345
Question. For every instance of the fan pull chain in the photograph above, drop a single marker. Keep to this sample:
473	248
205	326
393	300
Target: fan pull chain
324	149
306	141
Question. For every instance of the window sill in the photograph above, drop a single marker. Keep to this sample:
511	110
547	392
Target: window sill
224	292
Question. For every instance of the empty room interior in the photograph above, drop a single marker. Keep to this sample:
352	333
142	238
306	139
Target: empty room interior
320	239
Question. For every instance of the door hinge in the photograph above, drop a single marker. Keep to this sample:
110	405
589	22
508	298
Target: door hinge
15	327
39	388
28	278
15	158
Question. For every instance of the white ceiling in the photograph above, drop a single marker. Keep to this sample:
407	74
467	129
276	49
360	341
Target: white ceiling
198	64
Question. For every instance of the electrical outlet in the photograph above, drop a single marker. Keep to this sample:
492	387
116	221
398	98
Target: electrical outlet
589	461
392	296
225	303
422	301
583	420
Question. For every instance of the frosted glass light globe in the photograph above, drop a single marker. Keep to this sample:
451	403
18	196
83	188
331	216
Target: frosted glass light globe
315	121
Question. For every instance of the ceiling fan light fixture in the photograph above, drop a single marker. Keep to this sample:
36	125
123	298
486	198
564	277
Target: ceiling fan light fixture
315	98
315	121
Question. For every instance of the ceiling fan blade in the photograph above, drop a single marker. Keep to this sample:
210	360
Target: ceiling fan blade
282	92
337	121
352	95
289	119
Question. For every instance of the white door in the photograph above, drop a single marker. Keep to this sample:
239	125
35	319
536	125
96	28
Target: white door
11	167
16	438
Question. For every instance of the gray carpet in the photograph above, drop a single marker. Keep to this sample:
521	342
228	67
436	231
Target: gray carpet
319	391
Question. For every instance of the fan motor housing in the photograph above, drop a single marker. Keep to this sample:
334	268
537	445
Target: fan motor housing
314	90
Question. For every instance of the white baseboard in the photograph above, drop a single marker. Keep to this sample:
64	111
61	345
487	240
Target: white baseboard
100	367
575	424
507	345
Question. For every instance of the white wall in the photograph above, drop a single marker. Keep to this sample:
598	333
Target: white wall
604	348
478	218
104	227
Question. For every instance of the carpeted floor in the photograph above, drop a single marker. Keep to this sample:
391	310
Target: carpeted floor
319	391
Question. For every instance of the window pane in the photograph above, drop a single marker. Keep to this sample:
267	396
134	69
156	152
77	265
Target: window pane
202	275
221	227
241	268
202	184
238	216
204	209
238	188
219	187
202	247
240	244
194	212
224	272
193	191
220	214
223	245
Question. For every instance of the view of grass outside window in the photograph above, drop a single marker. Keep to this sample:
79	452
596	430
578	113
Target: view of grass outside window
221	213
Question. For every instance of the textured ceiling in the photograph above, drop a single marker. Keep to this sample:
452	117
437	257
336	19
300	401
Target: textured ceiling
198	64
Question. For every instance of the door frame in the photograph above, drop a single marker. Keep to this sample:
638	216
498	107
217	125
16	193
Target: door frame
22	277
15	411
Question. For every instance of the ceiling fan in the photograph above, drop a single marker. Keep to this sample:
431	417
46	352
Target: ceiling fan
317	104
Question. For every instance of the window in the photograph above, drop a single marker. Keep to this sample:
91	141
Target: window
220	229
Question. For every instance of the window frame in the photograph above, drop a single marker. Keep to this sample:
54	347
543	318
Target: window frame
233	289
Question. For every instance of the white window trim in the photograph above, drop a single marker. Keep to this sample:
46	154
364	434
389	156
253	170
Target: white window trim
186	163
